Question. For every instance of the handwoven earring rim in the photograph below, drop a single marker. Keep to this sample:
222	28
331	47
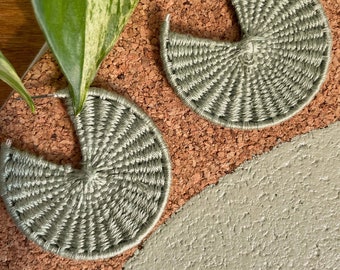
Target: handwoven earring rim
167	66
145	229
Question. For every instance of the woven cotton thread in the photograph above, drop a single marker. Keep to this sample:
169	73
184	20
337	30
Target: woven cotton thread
109	204
262	80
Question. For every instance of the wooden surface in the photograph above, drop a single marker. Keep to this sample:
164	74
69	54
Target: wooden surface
20	37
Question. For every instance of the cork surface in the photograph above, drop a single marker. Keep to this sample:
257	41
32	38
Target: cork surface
200	152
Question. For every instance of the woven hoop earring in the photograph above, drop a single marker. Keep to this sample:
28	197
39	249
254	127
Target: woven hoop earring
267	77
108	205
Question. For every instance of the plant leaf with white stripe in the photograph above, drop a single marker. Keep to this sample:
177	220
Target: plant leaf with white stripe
10	77
81	33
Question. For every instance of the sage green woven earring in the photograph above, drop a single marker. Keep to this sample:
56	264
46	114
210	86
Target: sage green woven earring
267	77
109	204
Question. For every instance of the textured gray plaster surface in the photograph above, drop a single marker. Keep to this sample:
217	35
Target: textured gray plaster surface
281	210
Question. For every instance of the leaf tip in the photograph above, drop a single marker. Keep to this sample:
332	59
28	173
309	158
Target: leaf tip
33	110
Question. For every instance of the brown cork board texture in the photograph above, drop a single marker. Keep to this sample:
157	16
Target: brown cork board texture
201	152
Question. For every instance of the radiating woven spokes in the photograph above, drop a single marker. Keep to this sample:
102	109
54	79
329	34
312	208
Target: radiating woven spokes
267	77
109	204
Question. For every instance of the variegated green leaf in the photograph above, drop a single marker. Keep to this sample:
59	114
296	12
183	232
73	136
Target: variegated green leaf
81	33
9	76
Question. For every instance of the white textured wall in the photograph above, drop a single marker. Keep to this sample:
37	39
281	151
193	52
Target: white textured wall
279	211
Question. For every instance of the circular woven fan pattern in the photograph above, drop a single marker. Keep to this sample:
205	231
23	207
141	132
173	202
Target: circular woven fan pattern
267	77
109	204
